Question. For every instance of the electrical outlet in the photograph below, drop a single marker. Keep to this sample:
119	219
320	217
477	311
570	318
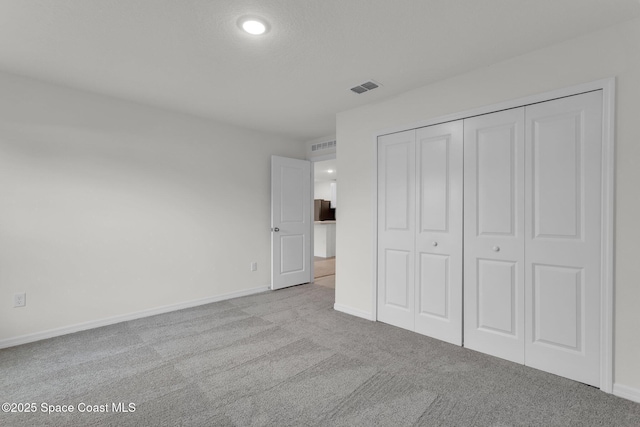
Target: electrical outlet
20	300
254	266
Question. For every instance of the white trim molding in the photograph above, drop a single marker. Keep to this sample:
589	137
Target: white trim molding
608	88
354	311
51	333
627	392
607	301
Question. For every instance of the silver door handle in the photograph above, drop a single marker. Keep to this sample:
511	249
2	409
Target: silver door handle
496	249
275	229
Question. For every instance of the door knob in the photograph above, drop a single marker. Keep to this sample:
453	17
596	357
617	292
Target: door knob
275	229
496	248
435	243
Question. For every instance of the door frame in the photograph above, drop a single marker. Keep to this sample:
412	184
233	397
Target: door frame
608	87
313	160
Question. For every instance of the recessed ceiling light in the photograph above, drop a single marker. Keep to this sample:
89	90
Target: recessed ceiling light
254	26
330	171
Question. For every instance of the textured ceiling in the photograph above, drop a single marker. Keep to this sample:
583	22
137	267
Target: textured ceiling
189	55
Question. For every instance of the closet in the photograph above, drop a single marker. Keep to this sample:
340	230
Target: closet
489	233
420	230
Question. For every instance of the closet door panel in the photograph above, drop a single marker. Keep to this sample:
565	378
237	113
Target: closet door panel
397	265
434	286
495	166
439	231
396	229
563	232
496	289
494	234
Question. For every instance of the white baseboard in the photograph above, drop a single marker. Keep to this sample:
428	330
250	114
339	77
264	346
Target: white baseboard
50	333
353	311
626	392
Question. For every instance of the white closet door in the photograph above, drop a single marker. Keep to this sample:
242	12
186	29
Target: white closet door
563	236
396	229
438	300
494	234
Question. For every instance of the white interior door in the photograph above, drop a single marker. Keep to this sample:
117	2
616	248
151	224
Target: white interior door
494	234
563	236
291	222
396	229
438	299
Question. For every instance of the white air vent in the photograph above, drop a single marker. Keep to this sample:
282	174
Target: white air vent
365	87
323	146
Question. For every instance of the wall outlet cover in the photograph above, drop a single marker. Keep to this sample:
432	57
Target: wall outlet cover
20	299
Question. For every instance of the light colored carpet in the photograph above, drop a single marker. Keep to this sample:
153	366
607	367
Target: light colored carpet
286	358
324	266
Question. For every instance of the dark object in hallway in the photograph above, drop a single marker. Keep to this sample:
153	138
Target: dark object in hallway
322	210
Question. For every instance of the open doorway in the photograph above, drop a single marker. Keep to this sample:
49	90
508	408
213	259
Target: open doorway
324	227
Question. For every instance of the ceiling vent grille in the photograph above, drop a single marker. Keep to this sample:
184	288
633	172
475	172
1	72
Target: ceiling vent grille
365	87
323	146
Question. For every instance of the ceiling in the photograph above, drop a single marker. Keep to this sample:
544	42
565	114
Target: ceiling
321	170
191	56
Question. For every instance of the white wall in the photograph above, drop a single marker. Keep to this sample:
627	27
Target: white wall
322	190
109	208
612	52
